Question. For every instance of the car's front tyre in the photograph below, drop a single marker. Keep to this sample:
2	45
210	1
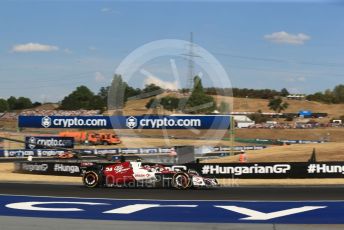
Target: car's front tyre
181	181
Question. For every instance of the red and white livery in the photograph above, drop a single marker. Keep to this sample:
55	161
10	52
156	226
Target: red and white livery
134	174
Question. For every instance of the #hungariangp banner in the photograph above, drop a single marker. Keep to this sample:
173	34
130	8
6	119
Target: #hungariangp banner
280	170
125	122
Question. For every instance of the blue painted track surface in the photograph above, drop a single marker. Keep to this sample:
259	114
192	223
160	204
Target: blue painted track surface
324	212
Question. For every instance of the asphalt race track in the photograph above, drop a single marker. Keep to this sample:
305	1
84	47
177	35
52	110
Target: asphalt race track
46	206
231	193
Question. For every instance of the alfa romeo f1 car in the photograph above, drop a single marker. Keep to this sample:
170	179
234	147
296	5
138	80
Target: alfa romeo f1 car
134	174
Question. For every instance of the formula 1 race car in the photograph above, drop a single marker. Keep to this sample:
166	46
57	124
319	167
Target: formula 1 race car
134	174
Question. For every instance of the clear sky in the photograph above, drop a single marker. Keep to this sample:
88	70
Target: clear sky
48	48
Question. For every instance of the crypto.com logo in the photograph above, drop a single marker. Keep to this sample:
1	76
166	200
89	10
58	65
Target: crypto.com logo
46	122
131	122
32	142
136	68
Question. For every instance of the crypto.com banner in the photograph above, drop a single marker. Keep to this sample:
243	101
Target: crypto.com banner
125	122
40	142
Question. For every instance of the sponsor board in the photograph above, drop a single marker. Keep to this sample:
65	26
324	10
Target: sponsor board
271	170
54	152
39	142
22	153
125	122
164	150
275	212
129	151
294	170
245	170
105	151
48	152
19	153
49	168
72	169
290	141
323	168
149	150
34	167
301	141
238	148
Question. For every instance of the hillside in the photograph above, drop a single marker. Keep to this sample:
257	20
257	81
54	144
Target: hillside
47	106
332	134
291	153
252	105
135	107
138	107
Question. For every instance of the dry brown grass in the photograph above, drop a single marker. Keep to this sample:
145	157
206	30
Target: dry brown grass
291	153
334	134
252	105
150	142
137	107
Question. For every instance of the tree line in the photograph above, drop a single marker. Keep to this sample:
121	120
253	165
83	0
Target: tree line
200	100
119	92
335	96
250	93
13	103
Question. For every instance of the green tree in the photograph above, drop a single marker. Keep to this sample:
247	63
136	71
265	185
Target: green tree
328	97
151	104
258	117
23	103
130	92
284	92
170	103
318	96
338	94
152	88
3	105
81	98
11	101
19	103
97	103
278	105
199	102
36	104
103	93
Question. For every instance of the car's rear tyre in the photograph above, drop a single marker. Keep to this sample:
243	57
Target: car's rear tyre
92	179
181	181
